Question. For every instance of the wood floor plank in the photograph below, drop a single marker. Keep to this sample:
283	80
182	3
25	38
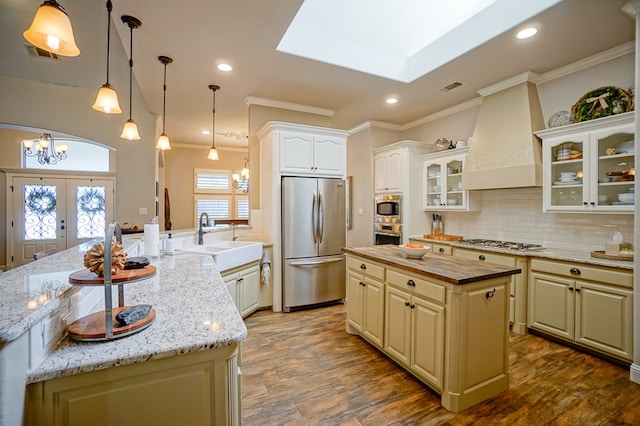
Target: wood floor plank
302	368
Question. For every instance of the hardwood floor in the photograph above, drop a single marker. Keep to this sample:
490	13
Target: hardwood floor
302	368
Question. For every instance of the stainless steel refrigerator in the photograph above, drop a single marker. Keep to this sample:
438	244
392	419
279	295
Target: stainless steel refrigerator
313	234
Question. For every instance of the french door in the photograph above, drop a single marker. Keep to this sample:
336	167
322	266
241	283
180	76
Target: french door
57	213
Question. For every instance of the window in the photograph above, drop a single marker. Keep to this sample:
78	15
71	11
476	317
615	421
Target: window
215	195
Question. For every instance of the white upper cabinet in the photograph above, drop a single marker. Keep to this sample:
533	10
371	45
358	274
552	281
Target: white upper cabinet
442	181
316	154
389	171
590	166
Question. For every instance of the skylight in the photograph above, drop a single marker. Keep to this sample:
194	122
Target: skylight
400	39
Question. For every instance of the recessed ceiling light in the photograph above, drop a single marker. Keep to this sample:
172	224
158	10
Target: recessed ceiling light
526	33
392	101
206	132
225	67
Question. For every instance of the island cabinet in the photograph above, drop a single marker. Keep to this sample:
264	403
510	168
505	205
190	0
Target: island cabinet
447	327
517	286
590	166
365	296
587	305
199	388
414	326
243	284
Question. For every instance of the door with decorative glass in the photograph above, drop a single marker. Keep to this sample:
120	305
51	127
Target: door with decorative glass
57	213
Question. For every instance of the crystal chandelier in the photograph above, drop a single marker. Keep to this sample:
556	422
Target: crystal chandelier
45	149
241	180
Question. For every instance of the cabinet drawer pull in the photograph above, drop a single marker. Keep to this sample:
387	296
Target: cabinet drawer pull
362	284
481	257
407	304
413	306
411	283
488	295
363	266
575	271
441	249
570	288
577	289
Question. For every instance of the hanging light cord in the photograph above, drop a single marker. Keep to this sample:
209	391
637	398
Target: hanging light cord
109	9
130	69
213	118
164	97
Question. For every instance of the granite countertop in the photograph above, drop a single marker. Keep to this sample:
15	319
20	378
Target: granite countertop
194	312
549	253
445	268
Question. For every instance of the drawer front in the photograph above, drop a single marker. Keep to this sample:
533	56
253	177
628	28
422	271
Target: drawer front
365	267
419	286
441	249
495	258
618	277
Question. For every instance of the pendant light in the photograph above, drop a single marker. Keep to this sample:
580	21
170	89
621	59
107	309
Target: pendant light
107	99
51	30
163	140
130	130
213	152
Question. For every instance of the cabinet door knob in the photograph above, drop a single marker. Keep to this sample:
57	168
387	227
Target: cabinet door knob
411	283
577	289
441	249
361	283
593	203
481	257
570	288
575	271
585	203
363	266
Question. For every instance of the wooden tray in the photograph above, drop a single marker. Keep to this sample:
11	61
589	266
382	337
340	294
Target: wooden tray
86	277
93	327
443	237
600	254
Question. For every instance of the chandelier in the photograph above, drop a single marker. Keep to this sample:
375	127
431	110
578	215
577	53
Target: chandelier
241	180
45	149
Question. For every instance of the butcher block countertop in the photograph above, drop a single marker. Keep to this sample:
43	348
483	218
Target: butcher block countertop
445	268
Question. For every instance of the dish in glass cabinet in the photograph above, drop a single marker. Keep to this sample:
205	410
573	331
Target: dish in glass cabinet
567	182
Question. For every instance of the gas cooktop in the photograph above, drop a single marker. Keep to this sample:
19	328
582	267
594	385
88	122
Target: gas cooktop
503	244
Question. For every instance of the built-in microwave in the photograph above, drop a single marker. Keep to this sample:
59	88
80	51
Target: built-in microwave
388	208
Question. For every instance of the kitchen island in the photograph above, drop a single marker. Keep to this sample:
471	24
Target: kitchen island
443	319
183	369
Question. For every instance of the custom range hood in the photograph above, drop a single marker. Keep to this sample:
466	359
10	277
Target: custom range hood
504	152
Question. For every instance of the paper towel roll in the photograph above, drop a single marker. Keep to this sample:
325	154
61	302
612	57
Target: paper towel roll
152	239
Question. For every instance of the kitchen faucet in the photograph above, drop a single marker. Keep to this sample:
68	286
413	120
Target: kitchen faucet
201	231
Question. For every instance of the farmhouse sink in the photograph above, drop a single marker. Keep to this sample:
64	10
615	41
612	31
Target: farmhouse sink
229	254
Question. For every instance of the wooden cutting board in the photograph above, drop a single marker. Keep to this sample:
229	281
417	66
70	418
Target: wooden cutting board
86	277
443	237
93	327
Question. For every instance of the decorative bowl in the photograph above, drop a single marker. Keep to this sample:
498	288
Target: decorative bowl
415	251
626	198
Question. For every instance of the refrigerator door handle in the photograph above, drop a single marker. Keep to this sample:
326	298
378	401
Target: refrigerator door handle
320	217
317	262
314	219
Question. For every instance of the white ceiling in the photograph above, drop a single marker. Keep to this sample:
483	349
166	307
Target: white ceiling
198	34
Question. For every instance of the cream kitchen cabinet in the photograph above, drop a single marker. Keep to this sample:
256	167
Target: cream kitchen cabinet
414	326
517	286
307	150
243	284
387	166
442	181
584	304
365	299
588	165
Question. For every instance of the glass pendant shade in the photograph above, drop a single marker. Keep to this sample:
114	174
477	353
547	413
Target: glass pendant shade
130	131
107	100
163	142
51	30
213	154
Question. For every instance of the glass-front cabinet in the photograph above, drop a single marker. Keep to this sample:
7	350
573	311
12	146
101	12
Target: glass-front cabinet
590	166
442	180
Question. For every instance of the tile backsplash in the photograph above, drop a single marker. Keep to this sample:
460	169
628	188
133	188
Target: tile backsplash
516	215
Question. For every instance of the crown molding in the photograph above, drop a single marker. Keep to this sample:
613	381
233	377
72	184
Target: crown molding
252	100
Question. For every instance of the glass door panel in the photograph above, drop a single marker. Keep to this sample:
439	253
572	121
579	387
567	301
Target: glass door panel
616	169
433	189
567	174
